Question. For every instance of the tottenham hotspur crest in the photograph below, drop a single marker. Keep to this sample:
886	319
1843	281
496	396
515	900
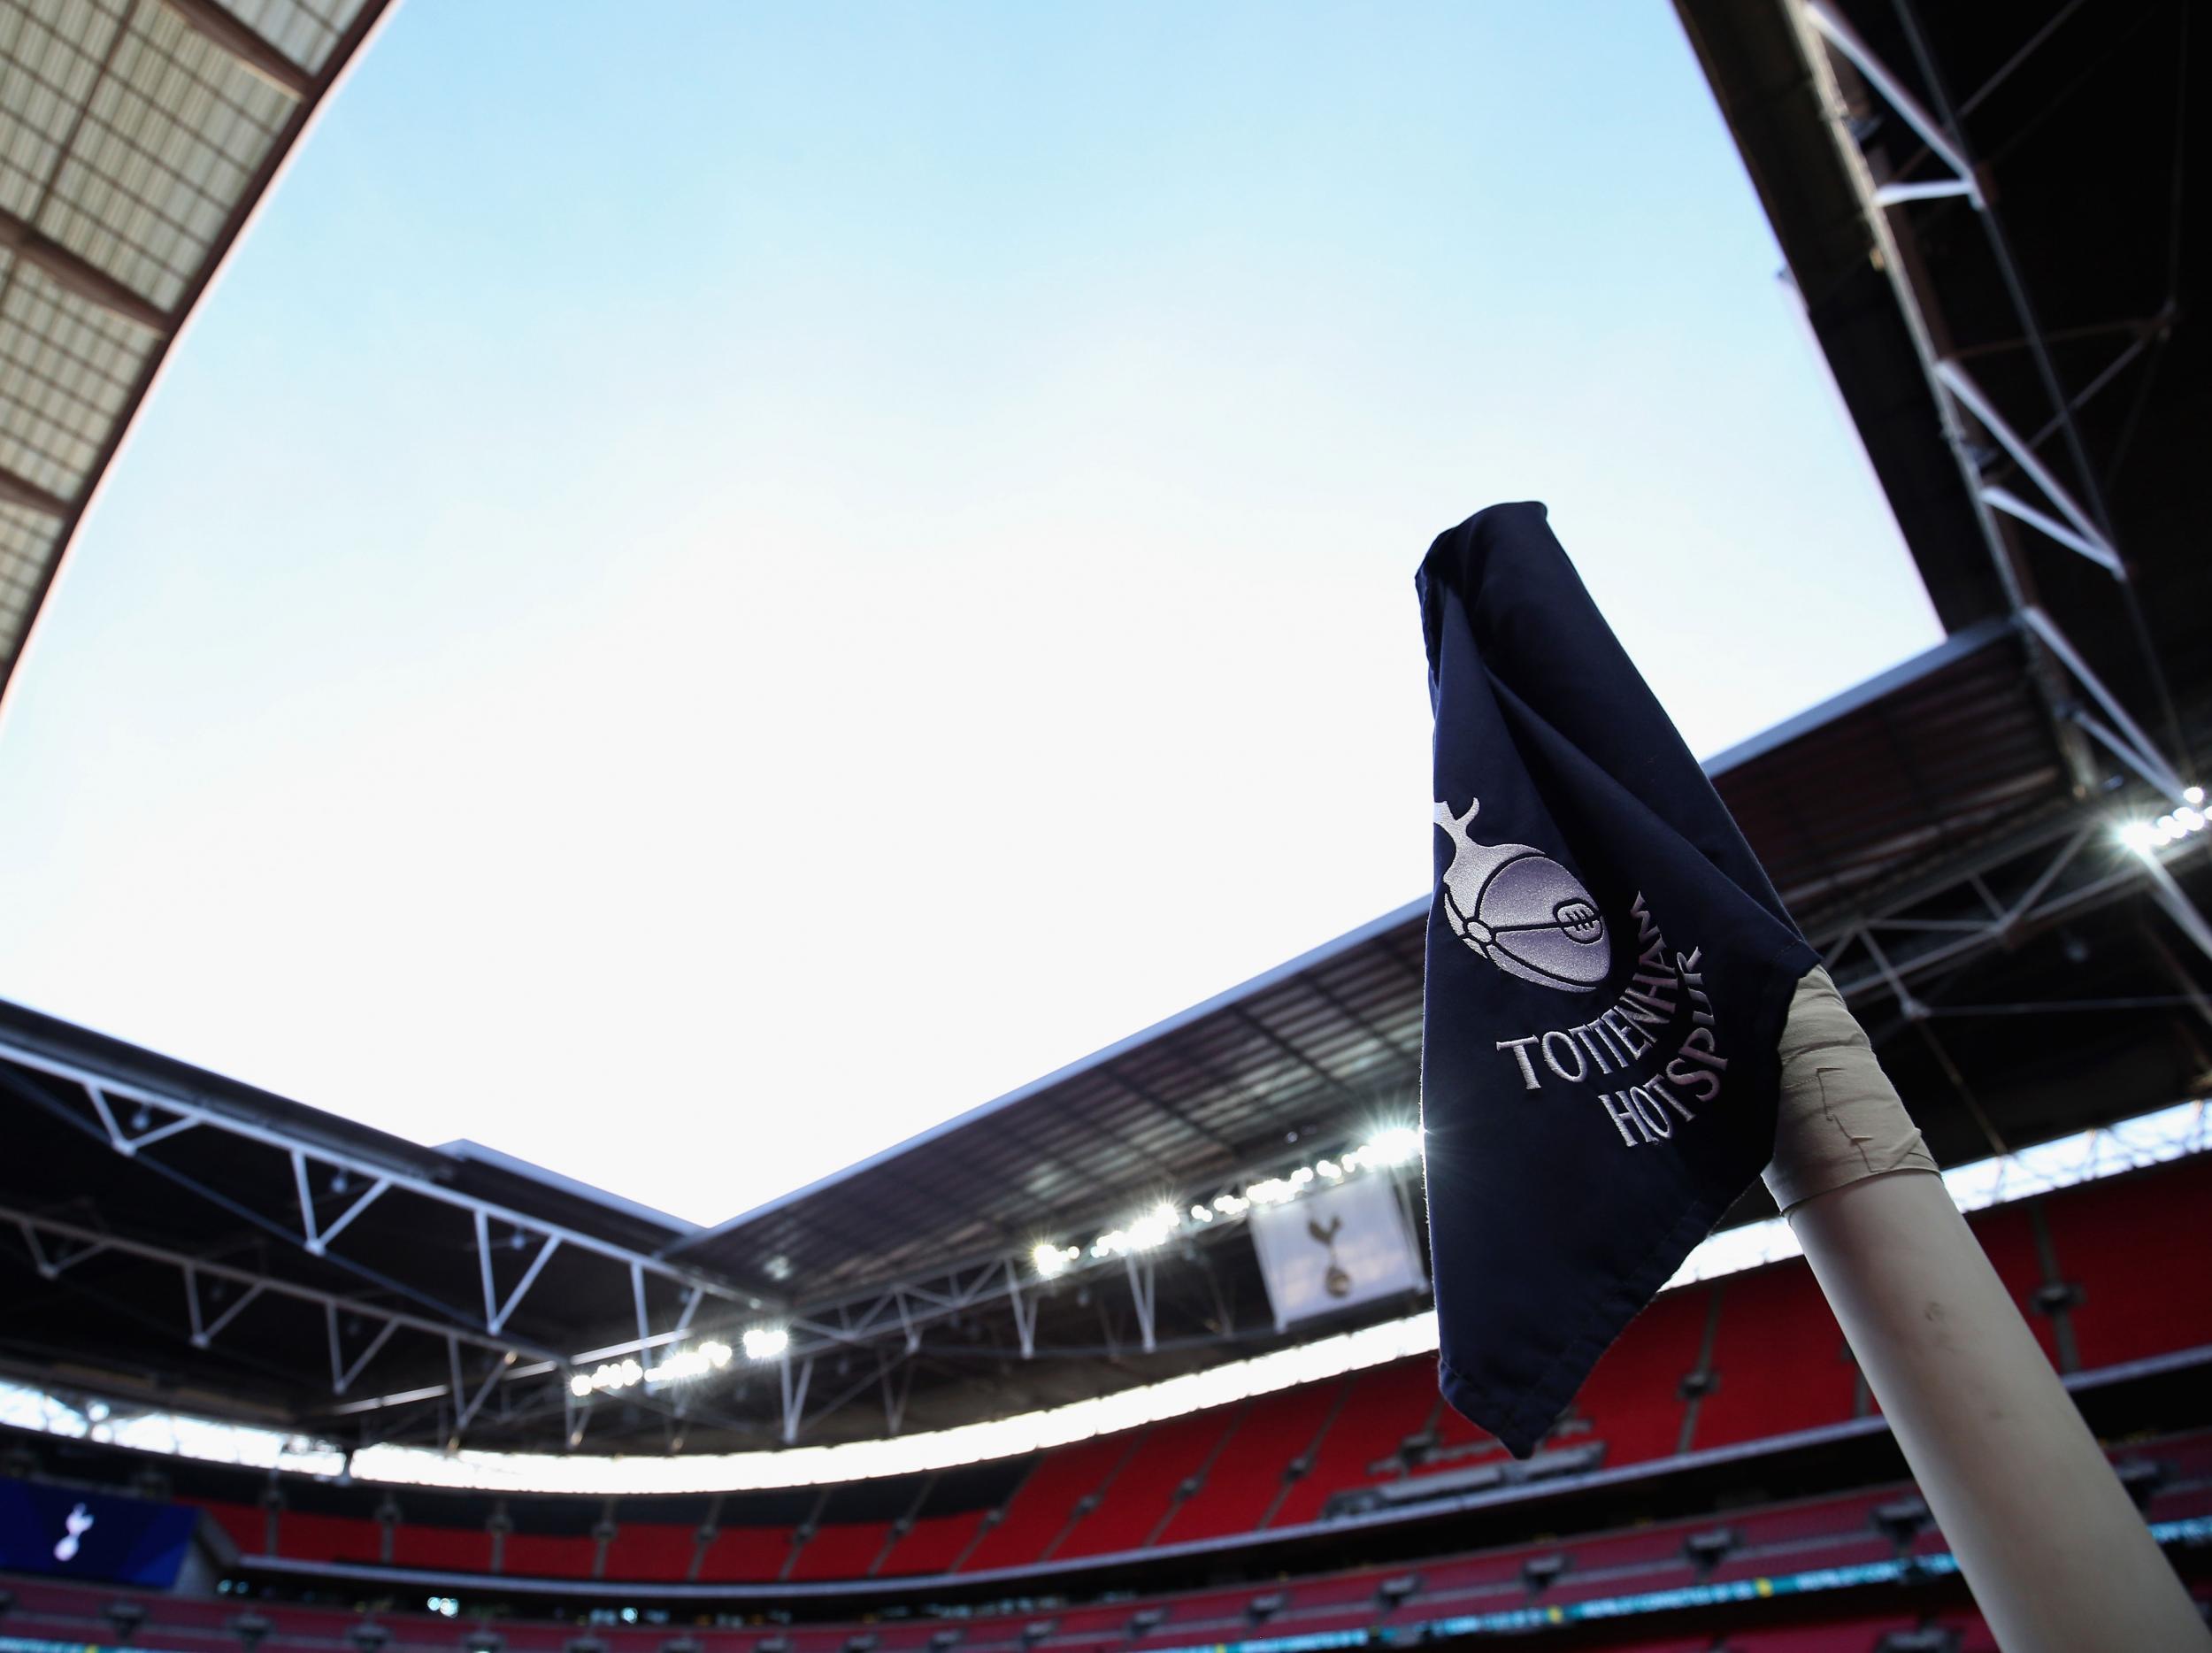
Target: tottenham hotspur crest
1522	911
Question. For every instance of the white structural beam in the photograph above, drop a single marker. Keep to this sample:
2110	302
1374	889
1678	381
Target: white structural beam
180	1112
1846	41
90	1241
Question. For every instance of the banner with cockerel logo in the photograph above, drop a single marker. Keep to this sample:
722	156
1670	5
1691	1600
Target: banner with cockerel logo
1607	971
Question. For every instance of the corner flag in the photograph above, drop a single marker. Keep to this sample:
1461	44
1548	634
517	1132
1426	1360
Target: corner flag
1607	972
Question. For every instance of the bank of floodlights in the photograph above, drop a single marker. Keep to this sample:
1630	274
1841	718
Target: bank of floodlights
765	1342
1386	1149
682	1366
2143	837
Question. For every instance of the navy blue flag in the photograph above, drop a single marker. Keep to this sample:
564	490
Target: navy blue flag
1608	968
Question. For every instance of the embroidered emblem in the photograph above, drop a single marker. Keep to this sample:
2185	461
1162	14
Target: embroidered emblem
1522	911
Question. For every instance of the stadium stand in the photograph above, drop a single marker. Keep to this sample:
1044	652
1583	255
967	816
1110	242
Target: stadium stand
1798	1540
1750	1361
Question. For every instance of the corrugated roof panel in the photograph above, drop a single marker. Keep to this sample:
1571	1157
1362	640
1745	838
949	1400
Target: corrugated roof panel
134	139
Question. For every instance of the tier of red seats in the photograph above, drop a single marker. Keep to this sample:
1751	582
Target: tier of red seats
1043	1506
1140	1497
651	1550
1779	1362
1767	1353
1377	1410
934	1544
747	1555
1767	1542
844	1549
1246	1478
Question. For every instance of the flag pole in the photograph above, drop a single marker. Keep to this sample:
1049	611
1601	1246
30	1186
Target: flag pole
2055	1553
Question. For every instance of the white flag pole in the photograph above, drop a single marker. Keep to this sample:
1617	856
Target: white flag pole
2057	1557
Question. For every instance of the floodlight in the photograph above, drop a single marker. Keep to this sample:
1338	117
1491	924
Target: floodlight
1396	1146
2193	819
1152	1229
765	1342
580	1385
2139	836
1049	1259
2193	794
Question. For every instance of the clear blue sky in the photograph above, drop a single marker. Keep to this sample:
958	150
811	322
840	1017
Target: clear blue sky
718	583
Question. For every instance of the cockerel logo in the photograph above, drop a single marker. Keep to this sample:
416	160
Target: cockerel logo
78	1522
1522	911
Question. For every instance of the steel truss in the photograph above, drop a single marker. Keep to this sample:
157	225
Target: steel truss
1994	898
2081	525
134	1118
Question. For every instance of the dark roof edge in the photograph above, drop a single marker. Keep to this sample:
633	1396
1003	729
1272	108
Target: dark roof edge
514	1165
1952	650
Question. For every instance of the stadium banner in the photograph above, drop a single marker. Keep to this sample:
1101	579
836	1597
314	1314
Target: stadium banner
1342	1246
92	1535
1607	972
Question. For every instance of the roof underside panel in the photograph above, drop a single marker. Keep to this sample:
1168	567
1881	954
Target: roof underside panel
135	139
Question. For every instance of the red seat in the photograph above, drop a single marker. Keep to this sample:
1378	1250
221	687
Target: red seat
1633	1399
842	1550
1042	1506
305	1536
1780	1362
447	1548
651	1550
746	1553
934	1545
1140	1497
1382	1406
2139	1248
1244	1482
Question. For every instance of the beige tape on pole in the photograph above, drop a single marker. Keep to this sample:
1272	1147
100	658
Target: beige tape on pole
1841	1120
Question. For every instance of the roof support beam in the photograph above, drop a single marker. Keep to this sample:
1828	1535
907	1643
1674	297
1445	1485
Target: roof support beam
104	1090
1846	41
2175	900
2146	759
20	490
794	1394
257	56
90	1240
1961	384
78	275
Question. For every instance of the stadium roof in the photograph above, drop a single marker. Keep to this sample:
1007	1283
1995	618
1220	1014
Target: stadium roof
137	139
